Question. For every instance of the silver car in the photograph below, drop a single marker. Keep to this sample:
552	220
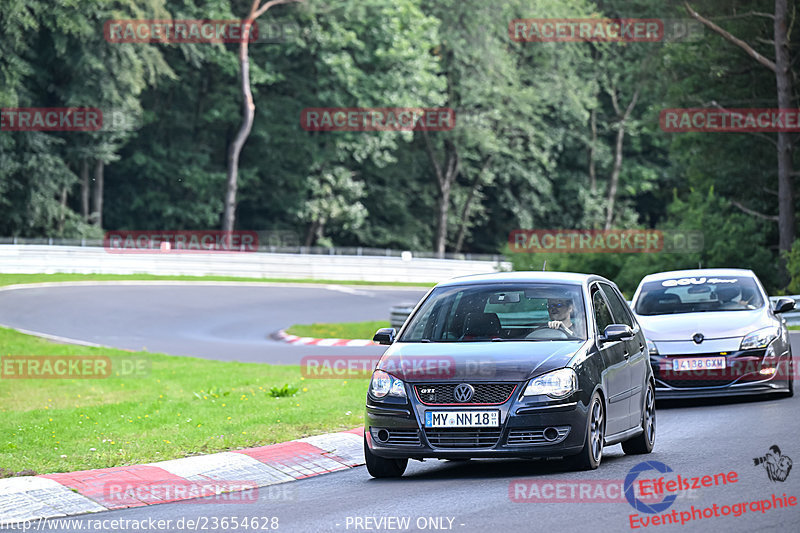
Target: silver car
713	332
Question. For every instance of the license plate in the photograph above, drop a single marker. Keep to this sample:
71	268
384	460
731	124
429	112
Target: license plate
698	363
462	419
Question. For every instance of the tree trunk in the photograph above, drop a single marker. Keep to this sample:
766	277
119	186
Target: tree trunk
85	190
592	169
444	179
63	215
462	227
441	221
248	112
312	231
97	212
783	78
615	171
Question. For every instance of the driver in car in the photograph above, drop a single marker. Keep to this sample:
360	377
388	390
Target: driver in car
560	310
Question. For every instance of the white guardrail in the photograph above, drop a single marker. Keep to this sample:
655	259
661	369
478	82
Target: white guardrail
43	259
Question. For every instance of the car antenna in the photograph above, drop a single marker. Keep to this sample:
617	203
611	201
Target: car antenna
544	265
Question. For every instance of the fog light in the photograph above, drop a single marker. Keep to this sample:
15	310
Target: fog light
550	434
767	371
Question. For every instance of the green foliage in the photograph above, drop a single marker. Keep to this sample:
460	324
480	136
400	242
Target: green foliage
523	126
730	239
793	267
283	392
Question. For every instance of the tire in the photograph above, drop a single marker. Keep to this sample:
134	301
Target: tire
380	467
644	442
592	453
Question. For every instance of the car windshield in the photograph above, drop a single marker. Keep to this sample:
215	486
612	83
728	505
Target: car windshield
513	312
698	294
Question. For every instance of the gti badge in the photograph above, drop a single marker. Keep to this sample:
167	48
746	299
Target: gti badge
698	338
463	392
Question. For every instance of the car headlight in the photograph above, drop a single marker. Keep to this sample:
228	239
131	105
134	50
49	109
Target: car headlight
383	383
651	347
760	338
556	384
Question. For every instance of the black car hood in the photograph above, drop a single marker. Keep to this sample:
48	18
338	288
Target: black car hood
476	361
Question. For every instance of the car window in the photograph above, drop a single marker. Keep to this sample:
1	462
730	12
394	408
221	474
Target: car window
602	315
505	312
619	308
698	294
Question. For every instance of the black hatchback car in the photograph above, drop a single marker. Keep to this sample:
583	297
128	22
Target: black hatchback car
519	364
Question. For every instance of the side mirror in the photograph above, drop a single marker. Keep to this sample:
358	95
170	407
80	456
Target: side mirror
616	332
783	305
384	336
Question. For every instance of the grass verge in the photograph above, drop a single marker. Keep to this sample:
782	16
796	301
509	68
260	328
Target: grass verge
180	406
343	330
12	279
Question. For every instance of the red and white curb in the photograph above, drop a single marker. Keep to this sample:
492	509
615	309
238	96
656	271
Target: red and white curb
294	339
56	495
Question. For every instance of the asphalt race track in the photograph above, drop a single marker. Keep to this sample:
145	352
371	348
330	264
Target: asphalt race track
695	438
225	322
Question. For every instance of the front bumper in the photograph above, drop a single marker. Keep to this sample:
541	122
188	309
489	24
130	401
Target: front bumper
742	376
521	431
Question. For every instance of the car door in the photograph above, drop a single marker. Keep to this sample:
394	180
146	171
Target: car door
635	352
617	374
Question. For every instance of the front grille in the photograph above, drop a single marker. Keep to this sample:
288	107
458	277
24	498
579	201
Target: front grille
536	436
463	438
396	437
485	393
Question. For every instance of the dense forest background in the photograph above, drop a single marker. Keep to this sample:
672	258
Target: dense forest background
548	135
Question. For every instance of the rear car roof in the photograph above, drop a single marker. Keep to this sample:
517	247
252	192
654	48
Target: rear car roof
570	278
698	272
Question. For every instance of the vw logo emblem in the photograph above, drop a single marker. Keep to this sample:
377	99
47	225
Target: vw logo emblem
464	392
698	338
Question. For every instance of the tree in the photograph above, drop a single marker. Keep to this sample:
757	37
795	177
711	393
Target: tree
248	111
512	104
781	67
